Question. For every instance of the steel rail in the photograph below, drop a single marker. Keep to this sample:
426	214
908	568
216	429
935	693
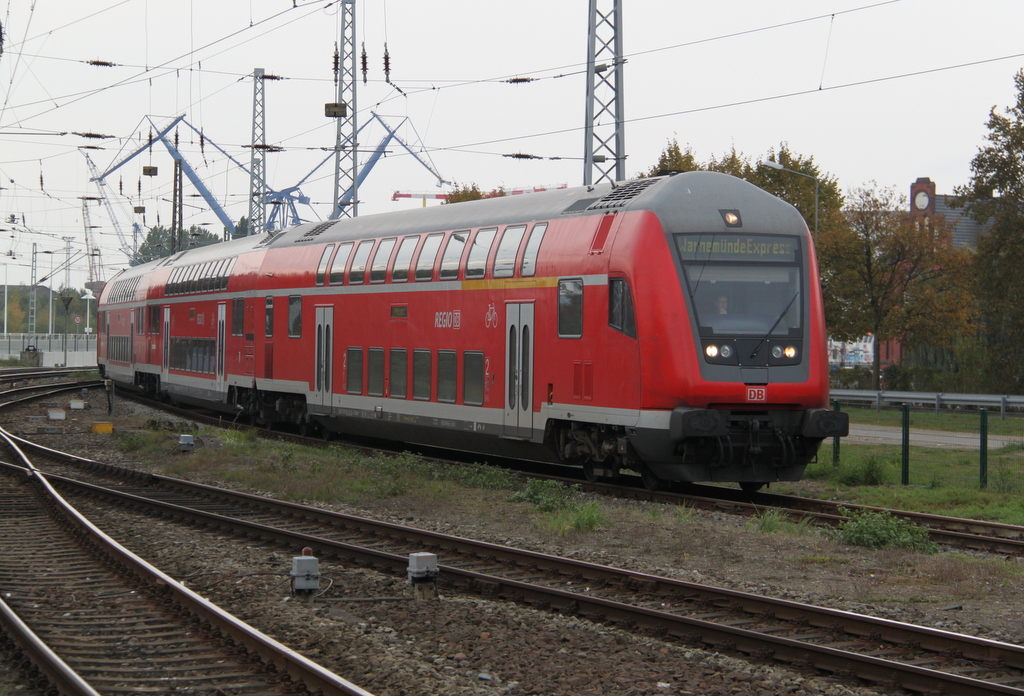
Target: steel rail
283	658
599	609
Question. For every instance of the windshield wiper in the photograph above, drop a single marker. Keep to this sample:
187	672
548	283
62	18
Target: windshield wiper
768	335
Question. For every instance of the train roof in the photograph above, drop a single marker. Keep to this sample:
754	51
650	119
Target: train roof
687	201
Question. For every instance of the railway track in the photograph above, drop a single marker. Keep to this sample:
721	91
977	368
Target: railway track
880	651
91	617
955	532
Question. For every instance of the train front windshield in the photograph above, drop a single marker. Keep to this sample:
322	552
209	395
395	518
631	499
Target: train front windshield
744	285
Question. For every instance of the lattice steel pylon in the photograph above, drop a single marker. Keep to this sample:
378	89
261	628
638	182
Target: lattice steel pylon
257	164
604	151
345	161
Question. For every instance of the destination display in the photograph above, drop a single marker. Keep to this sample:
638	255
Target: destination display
737	247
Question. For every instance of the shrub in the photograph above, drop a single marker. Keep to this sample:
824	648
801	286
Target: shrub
548	496
881	529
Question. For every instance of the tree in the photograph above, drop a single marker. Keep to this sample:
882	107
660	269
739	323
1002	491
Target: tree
471	192
158	242
995	195
893	276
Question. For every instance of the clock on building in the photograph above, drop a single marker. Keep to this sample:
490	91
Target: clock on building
921	200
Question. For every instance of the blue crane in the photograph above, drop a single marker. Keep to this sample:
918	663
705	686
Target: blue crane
285	199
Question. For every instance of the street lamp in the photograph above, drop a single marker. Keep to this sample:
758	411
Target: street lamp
776	165
87	295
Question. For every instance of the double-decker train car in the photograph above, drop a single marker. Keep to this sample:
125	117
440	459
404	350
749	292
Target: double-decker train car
671	326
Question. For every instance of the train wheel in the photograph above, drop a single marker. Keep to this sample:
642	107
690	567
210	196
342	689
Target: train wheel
650	479
589	472
751	486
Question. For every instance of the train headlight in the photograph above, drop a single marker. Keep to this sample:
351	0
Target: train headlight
778	352
711	351
725	351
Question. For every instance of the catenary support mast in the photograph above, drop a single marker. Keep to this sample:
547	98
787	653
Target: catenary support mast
604	152
345	161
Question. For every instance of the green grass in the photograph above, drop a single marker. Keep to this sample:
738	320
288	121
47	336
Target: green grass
334	474
946	420
879	530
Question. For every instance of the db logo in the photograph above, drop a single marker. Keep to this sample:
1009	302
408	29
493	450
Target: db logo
757	393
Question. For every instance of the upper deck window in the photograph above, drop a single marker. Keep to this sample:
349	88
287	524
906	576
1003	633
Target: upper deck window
321	268
533	249
337	275
508	249
428	255
357	273
452	258
379	267
476	266
400	272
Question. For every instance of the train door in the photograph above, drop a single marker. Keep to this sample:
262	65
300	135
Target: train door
249	345
222	311
131	338
323	363
167	345
518	420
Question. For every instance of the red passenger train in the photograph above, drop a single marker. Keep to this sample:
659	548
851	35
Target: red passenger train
672	326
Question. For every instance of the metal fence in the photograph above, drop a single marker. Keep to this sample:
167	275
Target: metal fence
930	440
13	344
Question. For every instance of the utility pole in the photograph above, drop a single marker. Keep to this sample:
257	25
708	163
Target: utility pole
177	211
345	164
257	163
32	293
604	152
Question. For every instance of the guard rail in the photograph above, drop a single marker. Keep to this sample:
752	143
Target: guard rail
939	399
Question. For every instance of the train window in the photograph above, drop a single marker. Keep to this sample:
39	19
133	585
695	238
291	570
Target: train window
337	276
295	316
204	276
508	249
237	316
473	378
620	307
476	266
428	255
400	273
354	374
399	370
379	267
154	319
268	313
447	374
452	257
357	274
321	268
533	249
375	372
421	375
227	273
570	308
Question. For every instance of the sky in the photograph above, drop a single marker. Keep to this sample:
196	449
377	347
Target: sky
882	91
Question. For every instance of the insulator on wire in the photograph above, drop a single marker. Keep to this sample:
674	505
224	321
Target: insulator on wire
150	140
202	144
175	138
120	186
362	61
41	181
387	65
337	62
140	189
